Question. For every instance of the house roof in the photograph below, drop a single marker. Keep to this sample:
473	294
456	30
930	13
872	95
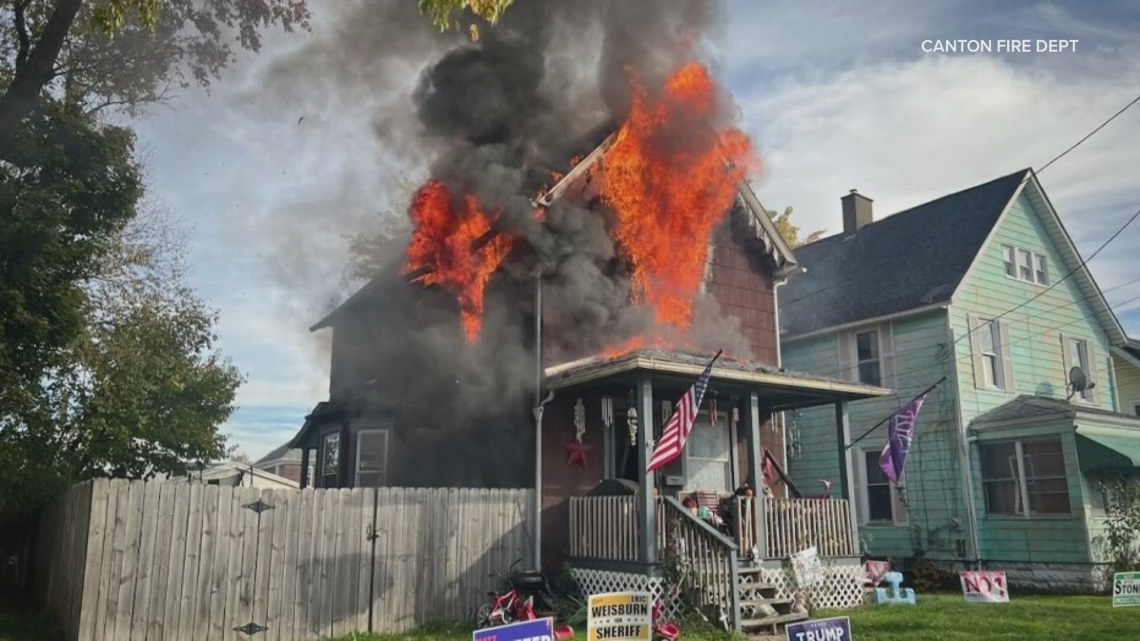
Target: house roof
227	469
911	259
759	220
1026	408
918	258
283	454
782	387
1129	351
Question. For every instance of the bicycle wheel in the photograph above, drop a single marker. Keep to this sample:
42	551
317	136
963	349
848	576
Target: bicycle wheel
483	616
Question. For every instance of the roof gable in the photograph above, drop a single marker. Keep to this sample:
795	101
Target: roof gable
908	260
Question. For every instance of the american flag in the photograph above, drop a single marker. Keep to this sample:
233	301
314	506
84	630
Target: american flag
684	415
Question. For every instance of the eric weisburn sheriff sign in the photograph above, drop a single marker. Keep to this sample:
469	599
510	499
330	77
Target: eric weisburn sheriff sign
620	616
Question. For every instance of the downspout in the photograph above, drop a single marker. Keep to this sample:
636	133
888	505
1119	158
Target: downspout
964	444
539	407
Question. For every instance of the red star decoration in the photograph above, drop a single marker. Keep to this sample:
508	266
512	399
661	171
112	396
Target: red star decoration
577	453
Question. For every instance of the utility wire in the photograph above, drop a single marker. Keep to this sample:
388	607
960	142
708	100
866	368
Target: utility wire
1090	134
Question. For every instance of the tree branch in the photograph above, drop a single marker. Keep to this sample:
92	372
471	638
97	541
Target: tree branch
37	70
22	33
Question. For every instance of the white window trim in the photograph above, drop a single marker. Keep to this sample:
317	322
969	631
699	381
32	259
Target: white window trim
356	469
999	335
1088	366
733	464
864	496
1035	259
1022	485
849	352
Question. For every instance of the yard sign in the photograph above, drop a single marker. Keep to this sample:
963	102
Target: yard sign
620	616
1125	589
984	586
806	568
533	630
837	629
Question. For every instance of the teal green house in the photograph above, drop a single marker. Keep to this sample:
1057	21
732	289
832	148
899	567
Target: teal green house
983	293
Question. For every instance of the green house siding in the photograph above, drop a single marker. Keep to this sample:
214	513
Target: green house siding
932	480
1035	329
1127	385
1037	365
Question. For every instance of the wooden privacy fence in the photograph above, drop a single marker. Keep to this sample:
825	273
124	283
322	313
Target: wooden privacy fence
134	561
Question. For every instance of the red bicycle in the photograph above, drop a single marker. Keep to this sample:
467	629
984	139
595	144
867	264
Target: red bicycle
517	603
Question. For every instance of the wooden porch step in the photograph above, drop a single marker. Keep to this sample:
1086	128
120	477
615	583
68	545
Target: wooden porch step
773	621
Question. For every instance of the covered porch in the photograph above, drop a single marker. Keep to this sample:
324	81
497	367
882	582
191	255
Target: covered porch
723	511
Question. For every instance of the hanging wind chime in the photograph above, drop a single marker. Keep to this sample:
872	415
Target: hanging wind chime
576	450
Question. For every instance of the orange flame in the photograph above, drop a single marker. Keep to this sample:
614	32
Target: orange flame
446	229
670	177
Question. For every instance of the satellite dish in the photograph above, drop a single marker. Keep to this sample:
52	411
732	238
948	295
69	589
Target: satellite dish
1078	381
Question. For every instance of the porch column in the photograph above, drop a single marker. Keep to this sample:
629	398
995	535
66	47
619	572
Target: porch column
647	505
304	467
846	474
755	472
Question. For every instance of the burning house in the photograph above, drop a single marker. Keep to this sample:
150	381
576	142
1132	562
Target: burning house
559	292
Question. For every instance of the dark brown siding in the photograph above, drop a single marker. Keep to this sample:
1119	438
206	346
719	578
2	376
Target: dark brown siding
741	282
561	481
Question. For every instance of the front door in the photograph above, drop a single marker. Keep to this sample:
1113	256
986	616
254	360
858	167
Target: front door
709	456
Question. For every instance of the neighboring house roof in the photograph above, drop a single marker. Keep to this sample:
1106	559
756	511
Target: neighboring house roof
228	469
1129	351
918	258
281	456
911	259
1028	407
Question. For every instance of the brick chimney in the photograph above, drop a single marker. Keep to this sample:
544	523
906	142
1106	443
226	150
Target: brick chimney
856	212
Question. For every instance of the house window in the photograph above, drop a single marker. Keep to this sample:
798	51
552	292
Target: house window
709	459
881	501
1025	265
330	460
991	354
1136	408
867	357
1077	355
371	458
1025	477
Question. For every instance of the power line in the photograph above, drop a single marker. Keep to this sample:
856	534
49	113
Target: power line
1090	134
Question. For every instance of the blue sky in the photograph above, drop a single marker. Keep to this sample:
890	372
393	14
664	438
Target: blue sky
836	95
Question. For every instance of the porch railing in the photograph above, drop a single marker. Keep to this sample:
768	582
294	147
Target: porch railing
707	559
794	524
606	527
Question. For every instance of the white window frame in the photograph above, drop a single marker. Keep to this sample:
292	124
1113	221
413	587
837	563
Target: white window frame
688	458
848	345
992	357
1136	407
383	466
899	514
1018	464
321	452
1084	361
1019	259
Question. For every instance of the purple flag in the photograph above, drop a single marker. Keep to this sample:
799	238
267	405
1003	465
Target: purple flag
900	431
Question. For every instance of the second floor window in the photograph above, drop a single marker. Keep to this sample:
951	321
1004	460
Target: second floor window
1025	265
866	355
1077	355
993	363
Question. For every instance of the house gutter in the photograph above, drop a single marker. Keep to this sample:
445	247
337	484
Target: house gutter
964	451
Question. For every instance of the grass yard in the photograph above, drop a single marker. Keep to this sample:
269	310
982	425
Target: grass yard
936	617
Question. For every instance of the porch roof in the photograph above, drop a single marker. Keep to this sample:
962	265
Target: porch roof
782	388
1108	451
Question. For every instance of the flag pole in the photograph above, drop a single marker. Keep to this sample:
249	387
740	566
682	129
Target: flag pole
880	423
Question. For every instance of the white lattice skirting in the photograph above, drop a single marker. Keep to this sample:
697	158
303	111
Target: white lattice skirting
842	585
602	581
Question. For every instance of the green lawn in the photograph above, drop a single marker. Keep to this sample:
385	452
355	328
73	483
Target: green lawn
936	617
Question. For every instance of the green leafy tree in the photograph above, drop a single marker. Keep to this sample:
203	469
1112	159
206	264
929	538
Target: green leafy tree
124	53
442	12
790	232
